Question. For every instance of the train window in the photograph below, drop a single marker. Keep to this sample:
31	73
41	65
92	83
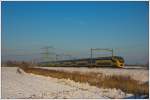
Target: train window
113	60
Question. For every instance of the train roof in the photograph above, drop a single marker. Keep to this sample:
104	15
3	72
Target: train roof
98	58
88	59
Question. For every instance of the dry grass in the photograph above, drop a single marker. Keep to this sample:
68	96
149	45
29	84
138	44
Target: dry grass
125	83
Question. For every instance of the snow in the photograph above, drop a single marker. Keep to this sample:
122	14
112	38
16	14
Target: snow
137	74
18	84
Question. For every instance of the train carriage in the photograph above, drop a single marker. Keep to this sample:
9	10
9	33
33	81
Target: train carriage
114	61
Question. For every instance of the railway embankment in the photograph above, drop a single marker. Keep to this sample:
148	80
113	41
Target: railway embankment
136	73
123	82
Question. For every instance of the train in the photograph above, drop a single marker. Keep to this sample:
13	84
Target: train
113	61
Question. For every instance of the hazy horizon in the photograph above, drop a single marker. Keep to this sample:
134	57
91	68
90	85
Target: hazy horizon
75	27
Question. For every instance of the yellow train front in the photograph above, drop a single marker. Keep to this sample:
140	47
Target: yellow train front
115	61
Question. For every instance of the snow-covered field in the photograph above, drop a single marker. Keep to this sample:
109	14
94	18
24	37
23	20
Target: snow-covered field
22	85
137	74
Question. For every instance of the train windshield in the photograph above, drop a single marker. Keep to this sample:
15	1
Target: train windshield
120	59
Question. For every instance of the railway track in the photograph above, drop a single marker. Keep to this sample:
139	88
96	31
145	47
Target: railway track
133	67
125	67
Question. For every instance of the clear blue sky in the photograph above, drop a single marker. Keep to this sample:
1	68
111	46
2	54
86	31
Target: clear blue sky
75	27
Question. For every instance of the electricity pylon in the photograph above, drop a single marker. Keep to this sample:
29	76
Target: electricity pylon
57	57
47	53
